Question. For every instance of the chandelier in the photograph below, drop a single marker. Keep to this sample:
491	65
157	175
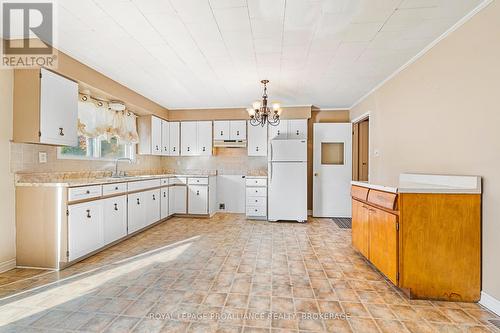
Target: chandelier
260	113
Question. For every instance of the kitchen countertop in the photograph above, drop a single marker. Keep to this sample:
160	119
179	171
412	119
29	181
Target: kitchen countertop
425	183
106	180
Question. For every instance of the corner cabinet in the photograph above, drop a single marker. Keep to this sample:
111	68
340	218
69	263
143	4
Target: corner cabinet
45	108
412	239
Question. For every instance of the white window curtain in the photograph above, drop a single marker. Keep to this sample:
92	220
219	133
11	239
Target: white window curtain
96	119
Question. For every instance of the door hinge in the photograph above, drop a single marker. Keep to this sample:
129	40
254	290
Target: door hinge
397	276
397	226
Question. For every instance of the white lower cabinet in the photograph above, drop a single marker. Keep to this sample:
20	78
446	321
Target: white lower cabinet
152	206
115	218
177	200
85	228
164	203
198	199
136	211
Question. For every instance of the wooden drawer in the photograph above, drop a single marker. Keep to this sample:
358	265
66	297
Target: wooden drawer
359	192
256	192
110	189
198	181
256	182
382	199
256	211
85	192
143	185
177	181
256	201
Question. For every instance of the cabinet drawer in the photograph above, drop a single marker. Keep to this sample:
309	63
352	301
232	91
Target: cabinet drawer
256	191
256	211
110	189
382	199
359	192
198	181
177	180
164	181
256	201
86	192
143	184
256	182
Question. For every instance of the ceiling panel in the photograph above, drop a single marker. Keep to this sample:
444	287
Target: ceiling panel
213	53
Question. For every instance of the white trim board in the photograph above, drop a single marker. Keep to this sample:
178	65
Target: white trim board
490	302
457	25
364	116
7	265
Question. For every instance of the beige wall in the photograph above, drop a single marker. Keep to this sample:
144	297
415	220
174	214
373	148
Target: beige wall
7	203
442	115
294	112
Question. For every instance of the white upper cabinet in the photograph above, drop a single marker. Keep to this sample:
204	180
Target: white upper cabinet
257	140
204	138
150	135
165	138
174	136
222	130
189	138
238	130
297	129
58	110
280	131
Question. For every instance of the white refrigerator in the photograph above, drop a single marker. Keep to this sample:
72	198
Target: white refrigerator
287	173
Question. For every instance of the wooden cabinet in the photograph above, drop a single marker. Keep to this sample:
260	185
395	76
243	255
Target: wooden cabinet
279	131
297	129
189	138
257	140
150	135
136	212
412	239
204	138
177	200
174	138
222	130
152	200
361	228
383	244
198	199
114	218
164	203
45	108
85	228
165	138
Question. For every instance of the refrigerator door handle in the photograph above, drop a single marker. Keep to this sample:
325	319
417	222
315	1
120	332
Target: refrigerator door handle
271	173
271	151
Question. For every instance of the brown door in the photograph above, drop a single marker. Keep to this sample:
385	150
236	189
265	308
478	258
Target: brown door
360	227
384	243
363	151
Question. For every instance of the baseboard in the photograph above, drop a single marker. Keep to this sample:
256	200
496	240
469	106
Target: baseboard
490	302
7	265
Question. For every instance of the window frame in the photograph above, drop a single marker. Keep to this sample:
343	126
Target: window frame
130	150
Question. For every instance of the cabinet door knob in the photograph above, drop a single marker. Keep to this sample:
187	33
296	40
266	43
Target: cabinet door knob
237	132
87	192
88	214
156	147
174	148
138	201
197	192
297	132
221	132
61	131
189	148
116	206
154	198
256	148
116	188
204	149
164	194
278	132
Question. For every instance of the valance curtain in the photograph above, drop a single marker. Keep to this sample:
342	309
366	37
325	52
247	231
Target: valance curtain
96	119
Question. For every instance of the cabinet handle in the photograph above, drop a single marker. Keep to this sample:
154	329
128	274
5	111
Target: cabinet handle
203	148
87	192
189	148
297	132
174	148
61	131
116	188
164	194
197	192
116	206
154	198
256	191
221	132
256	200
237	132
88	214
278	132
138	201
157	148
256	148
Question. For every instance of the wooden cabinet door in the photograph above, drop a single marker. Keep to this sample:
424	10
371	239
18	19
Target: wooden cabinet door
280	131
136	212
164	203
384	243
152	199
297	129
221	130
205	138
238	130
361	228
165	138
156	144
115	218
58	110
177	200
189	138
257	140
198	199
85	229
174	137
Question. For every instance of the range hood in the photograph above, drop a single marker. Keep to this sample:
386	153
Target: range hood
230	143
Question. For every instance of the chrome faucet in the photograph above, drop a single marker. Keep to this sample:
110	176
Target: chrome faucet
116	174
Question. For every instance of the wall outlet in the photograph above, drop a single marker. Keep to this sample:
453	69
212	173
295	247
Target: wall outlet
42	157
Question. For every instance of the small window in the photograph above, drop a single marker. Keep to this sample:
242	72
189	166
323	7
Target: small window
332	153
97	149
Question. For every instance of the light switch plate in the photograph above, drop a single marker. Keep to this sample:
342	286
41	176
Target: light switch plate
42	157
